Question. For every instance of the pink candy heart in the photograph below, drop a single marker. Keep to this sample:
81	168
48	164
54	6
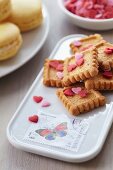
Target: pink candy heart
83	93
68	92
54	64
107	74
59	67
76	90
78	56
59	74
87	47
71	67
110	2
80	62
98	16
77	43
45	104
108	50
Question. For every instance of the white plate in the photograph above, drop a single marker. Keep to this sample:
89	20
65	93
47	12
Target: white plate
32	42
100	119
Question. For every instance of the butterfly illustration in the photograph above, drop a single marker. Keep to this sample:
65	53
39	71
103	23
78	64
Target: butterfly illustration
51	134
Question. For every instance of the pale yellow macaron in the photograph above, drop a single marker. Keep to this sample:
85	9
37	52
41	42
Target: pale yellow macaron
27	14
10	40
5	9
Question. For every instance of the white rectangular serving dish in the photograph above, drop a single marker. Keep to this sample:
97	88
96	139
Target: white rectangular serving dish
101	118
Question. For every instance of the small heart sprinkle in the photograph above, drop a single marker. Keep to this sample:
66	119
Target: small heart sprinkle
97	16
83	93
78	56
37	99
59	67
87	47
99	9
45	104
54	64
107	74
80	62
71	67
77	43
68	92
33	118
108	50
76	90
59	75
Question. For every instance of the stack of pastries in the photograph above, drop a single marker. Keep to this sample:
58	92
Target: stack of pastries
82	75
17	16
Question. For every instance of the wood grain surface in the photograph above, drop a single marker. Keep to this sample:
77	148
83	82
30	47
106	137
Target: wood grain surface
13	88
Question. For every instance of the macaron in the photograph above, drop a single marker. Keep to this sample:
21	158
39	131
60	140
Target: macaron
10	40
26	14
5	9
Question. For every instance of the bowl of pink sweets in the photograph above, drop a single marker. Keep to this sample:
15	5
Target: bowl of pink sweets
89	14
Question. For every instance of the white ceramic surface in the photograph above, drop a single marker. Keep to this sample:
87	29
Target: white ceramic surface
101	118
32	42
87	23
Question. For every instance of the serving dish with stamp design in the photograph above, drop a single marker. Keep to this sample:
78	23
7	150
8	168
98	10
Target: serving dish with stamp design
88	131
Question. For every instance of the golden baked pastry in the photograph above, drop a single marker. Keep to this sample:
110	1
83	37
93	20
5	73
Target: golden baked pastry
105	55
53	73
103	81
85	43
78	100
77	69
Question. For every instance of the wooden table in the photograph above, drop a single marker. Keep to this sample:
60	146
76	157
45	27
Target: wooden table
14	87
